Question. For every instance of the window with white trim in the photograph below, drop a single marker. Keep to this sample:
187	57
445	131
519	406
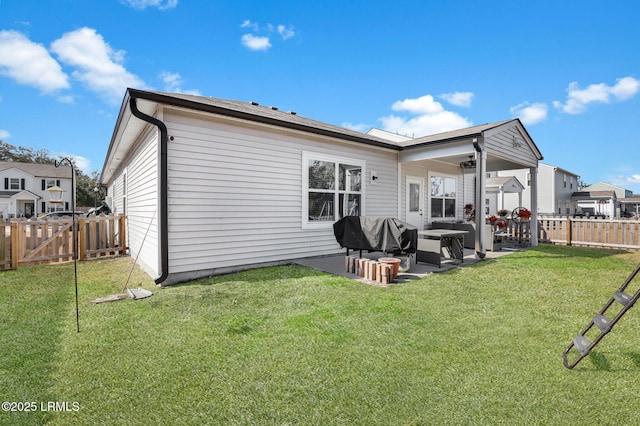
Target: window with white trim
332	188
443	196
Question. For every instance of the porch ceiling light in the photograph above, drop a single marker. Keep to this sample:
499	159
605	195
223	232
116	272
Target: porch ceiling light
55	194
469	164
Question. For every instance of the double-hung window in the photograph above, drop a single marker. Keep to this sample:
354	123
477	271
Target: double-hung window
332	188
443	196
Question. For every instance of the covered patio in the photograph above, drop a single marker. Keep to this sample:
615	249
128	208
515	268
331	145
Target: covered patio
440	174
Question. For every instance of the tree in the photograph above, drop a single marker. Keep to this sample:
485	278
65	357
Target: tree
86	195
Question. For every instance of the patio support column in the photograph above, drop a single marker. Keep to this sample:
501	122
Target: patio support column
534	206
481	167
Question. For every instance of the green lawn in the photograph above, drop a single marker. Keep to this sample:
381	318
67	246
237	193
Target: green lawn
481	344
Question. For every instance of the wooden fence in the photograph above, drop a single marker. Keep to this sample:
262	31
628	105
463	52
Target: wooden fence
609	233
26	242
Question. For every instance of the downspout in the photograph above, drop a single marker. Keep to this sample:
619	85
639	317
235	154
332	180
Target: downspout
164	204
481	165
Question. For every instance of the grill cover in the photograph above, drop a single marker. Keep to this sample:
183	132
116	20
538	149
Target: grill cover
388	235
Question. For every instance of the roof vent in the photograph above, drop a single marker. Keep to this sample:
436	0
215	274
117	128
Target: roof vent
294	113
255	103
274	108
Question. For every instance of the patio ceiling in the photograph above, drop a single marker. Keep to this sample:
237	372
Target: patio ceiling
453	154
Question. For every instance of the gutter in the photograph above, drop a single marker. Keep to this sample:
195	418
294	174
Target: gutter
164	204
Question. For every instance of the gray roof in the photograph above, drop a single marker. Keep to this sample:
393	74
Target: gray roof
455	134
593	194
38	170
260	113
273	115
497	181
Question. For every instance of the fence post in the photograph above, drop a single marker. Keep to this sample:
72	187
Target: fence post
122	235
568	233
15	245
3	248
82	238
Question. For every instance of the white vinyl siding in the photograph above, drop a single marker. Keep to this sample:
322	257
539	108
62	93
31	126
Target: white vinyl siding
142	203
235	192
134	192
510	144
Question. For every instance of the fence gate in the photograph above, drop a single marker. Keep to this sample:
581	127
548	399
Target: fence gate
27	242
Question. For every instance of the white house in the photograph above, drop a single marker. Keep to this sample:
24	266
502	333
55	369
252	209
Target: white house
23	188
596	202
498	189
555	190
607	199
212	186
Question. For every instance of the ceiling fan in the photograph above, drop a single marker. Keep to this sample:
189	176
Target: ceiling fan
469	164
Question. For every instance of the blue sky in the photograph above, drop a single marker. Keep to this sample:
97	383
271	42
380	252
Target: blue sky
569	70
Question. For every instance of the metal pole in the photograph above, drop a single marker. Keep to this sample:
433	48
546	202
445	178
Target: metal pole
74	232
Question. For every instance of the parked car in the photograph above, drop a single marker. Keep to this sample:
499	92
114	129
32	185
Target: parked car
103	208
588	214
60	214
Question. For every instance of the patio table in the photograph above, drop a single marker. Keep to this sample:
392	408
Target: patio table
434	241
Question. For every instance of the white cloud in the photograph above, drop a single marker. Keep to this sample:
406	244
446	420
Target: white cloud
66	99
357	127
99	67
461	99
260	36
253	42
578	99
422	105
627	182
173	83
285	33
248	24
431	118
160	4
80	162
4	134
530	113
29	63
625	88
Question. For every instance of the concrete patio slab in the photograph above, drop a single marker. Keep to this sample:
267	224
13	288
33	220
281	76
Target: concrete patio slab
335	264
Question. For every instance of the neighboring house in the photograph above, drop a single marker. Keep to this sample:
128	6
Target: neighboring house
212	186
596	202
555	190
497	190
607	199
630	206
603	186
23	188
394	137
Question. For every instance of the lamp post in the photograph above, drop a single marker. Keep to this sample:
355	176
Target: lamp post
55	194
